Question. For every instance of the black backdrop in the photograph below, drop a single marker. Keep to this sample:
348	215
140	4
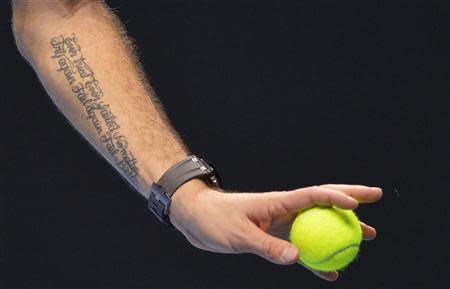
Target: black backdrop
294	93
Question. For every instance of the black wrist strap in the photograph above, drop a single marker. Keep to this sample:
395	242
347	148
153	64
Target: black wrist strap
183	171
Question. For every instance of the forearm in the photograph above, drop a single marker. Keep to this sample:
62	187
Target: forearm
87	66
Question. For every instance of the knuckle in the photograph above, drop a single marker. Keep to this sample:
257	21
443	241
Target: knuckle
242	247
269	248
315	187
311	190
272	208
237	247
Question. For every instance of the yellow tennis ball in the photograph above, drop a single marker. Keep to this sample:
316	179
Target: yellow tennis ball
328	238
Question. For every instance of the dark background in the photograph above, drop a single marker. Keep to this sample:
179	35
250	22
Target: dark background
294	93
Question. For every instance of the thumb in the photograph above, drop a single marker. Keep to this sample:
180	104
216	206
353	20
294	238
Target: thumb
273	249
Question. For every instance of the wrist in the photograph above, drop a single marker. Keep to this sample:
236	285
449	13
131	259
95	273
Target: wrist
152	170
176	191
184	201
190	188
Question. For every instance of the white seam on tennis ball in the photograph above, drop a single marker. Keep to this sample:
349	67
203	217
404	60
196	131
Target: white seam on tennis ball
334	254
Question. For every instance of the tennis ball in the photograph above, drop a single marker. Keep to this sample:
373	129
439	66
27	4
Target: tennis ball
328	238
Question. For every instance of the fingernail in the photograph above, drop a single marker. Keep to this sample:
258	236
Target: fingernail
351	198
289	253
368	226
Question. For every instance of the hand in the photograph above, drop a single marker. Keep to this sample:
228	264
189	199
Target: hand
259	223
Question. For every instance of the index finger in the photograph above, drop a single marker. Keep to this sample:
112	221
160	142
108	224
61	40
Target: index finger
361	193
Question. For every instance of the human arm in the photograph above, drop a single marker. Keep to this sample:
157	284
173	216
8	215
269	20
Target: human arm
87	65
108	68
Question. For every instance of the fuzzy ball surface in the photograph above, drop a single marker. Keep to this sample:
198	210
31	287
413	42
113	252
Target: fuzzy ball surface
328	238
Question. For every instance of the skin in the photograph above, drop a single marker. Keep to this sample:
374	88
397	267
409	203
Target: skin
259	223
117	100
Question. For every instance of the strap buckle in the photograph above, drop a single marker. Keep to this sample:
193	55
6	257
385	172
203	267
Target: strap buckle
158	203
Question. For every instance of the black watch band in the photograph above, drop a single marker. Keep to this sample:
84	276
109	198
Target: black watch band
189	168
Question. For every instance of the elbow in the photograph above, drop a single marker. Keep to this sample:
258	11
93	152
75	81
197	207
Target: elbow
19	12
19	30
22	29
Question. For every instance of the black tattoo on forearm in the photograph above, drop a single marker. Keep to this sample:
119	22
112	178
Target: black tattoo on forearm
81	79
